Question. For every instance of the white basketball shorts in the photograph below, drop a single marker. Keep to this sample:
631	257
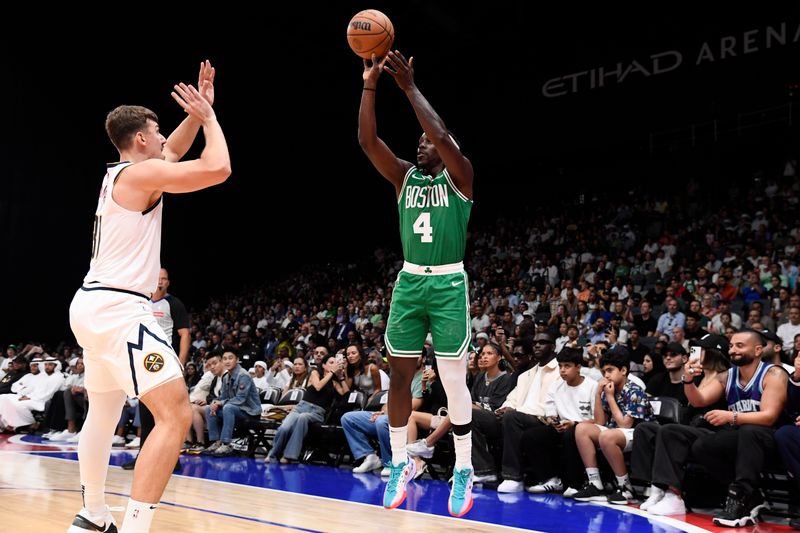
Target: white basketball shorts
123	345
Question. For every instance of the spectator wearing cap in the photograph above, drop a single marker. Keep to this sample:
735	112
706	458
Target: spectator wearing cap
669	383
616	333
671	319
755	393
17	368
788	331
651	439
773	351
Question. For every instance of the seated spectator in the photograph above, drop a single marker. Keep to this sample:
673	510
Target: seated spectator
755	393
570	400
669	383
259	375
17	368
238	400
325	383
620	404
654	363
522	409
278	374
360	426
69	405
190	375
651	437
16	409
205	392
361	376
299	378
129	411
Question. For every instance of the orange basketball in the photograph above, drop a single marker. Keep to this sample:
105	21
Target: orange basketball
370	32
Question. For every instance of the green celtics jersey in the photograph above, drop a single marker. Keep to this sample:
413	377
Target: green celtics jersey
433	219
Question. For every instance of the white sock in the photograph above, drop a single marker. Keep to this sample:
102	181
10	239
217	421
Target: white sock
94	448
623	481
138	517
594	477
397	438
463	448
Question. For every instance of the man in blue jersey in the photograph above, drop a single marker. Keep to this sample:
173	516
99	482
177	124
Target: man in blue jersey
736	452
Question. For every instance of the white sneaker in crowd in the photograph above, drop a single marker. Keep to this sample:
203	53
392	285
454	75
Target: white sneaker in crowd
670	504
371	462
553	484
135	443
656	494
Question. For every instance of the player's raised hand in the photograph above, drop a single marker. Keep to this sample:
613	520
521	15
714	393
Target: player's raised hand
372	70
193	103
205	81
402	70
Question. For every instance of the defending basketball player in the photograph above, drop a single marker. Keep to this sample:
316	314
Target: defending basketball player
434	199
126	352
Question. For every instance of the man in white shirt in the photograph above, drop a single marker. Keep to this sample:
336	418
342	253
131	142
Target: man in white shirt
570	400
524	408
16	410
790	329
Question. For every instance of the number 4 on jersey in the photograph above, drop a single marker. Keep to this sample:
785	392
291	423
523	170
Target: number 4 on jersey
423	227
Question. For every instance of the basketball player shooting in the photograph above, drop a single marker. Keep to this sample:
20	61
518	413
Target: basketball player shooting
126	352
434	200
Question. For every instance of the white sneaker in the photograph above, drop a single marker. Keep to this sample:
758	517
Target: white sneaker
63	436
371	462
86	523
74	438
509	485
135	443
670	504
486	478
420	448
570	492
46	436
551	485
386	472
118	440
656	495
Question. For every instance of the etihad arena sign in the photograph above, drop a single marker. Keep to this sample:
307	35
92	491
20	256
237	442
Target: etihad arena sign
749	42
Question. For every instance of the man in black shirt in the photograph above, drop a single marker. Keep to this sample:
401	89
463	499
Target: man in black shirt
645	323
670	384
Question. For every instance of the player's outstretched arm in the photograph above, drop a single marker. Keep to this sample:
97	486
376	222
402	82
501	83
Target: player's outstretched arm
179	142
213	166
389	165
459	167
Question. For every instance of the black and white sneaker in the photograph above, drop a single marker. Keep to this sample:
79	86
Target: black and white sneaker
623	496
590	493
85	523
740	509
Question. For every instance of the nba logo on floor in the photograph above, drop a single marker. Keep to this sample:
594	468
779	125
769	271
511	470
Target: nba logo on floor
153	362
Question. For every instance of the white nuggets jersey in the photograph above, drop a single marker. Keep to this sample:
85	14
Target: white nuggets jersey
126	245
